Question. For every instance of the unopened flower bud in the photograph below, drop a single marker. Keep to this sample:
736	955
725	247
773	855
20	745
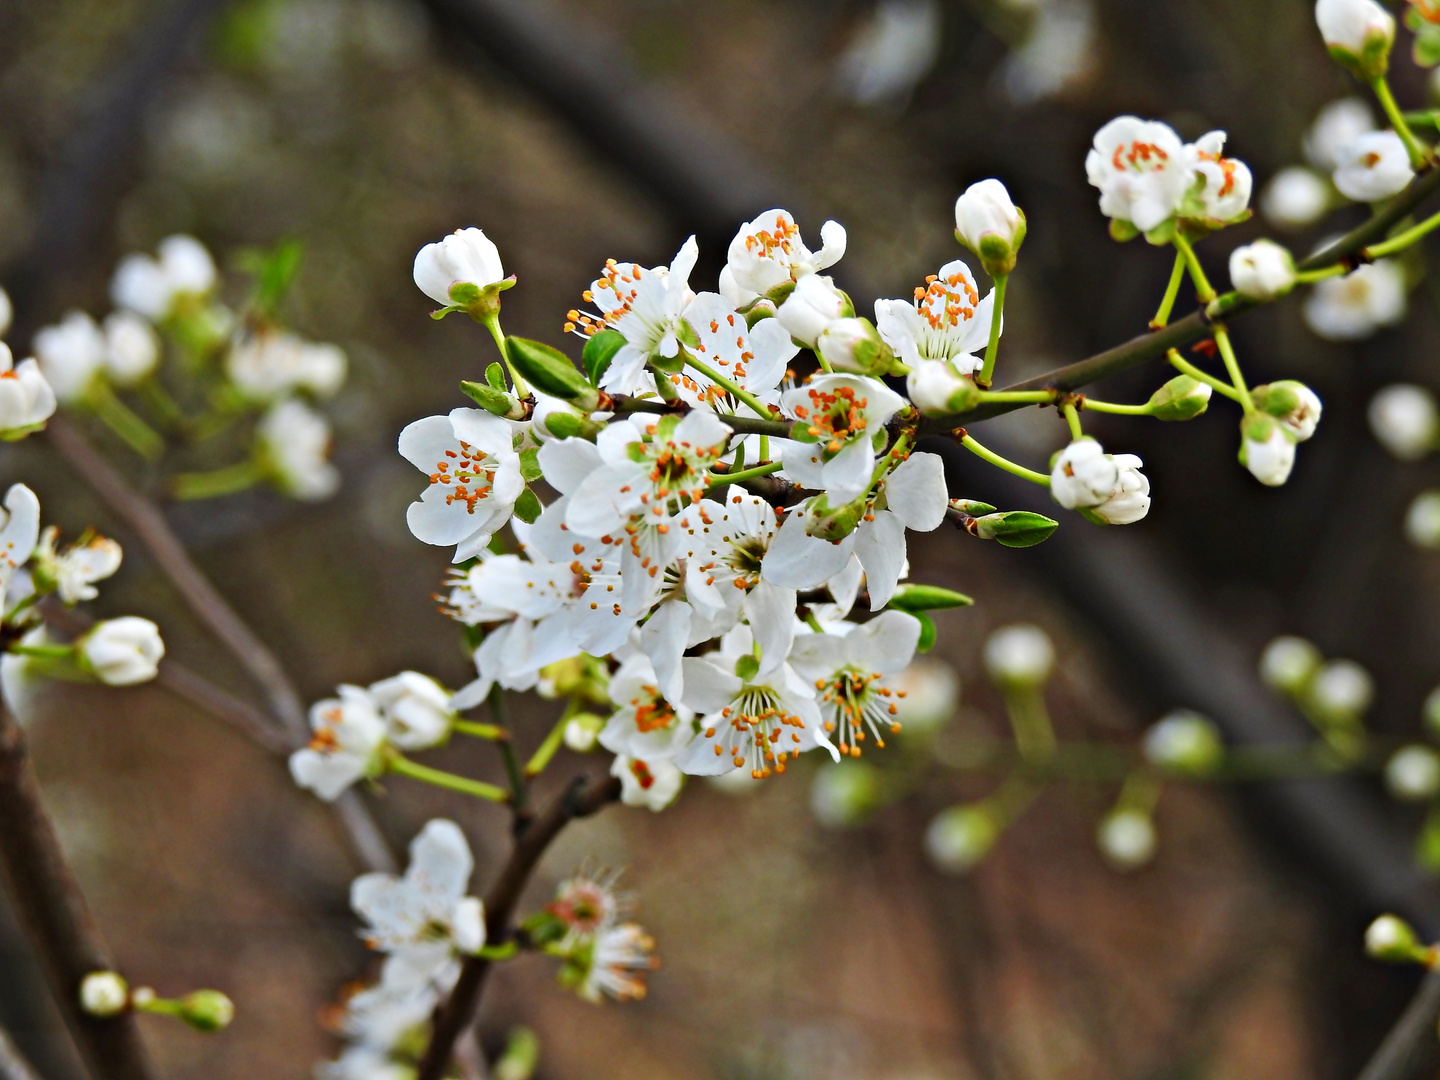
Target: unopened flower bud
854	345
1262	271
207	1010
812	305
550	370
1182	398
991	225
1127	839
937	389
104	993
1266	449
833	523
121	652
494	401
1295	198
1185	743
1294	404
1413	774
1422	520
960	837
582	732
1393	940
1013	528
1358	33
1289	663
463	270
1405	420
1342	690
843	794
1019	656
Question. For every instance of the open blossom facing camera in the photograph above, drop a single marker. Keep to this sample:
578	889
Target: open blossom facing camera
1141	171
769	252
26	400
838	418
947	324
474	474
1372	167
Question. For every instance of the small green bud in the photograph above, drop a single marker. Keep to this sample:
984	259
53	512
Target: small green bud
207	1010
104	993
521	1056
1277	398
960	837
1013	528
844	794
913	598
494	401
1185	743
1393	940
833	524
551	371
971	507
1182	398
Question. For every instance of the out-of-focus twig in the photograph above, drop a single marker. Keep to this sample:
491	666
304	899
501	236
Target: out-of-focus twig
581	798
59	922
13	1065
1396	1057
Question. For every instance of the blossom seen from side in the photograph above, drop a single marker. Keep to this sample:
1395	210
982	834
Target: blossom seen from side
293	441
465	257
989	223
72	573
416	710
71	355
121	652
1358	34
1141	170
349	735
769	252
813	305
26	399
19	531
1262	271
1222	186
1267	449
1108	486
474	475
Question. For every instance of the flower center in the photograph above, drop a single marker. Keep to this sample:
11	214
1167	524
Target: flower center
1140	157
855	701
766	243
1227	169
757	722
652	712
468	473
834	417
946	304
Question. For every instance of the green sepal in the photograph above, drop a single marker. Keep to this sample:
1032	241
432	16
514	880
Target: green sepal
780	293
927	631
491	400
599	351
913	598
1182	398
1122	231
274	272
464	294
495	376
1427	46
1016	528
834	524
527	507
1161	234
847	309
550	370
569	425
530	465
687	335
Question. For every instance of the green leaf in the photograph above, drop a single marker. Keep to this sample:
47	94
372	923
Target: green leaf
913	598
488	398
599	351
527	507
530	465
927	631
971	507
495	376
1016	528
549	370
274	272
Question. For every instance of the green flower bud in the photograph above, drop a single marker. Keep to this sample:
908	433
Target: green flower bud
960	837
1393	940
927	598
1182	398
833	524
521	1056
551	371
493	401
207	1010
1013	528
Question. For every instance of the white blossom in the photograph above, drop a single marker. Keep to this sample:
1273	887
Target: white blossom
151	286
1342	688
1356	26
946	322
26	399
294	441
424	918
1413	774
1110	486
1353	307
104	993
754	357
416	710
131	348
349	736
466	256
474	475
1262	271
1372	167
19	531
1289	663
1225	183
1337	124
272	364
645	724
1127	839
1406	421
1019	655
75	571
813	305
769	252
1422	520
1267	449
617	960
1141	169
651	784
70	353
123	651
990	224
1295	197
843	414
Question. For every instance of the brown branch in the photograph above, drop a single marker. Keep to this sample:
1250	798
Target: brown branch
1395	1059
1196	326
581	798
13	1065
61	926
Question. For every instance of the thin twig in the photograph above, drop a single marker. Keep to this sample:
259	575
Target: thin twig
61	926
1415	1029
581	798
13	1065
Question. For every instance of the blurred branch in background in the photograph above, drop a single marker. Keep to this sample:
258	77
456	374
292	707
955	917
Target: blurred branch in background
13	1065
1404	1049
60	924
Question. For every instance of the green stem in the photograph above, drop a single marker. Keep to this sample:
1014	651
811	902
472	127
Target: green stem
1186	368
547	749
492	732
44	652
1030	723
463	784
764	448
514	775
1232	365
492	323
1139	793
1038	397
125	422
1423	117
1197	272
718	479
1308	277
506	951
1119	410
217	482
1172	290
1072	418
983	379
738	465
1012	799
1419	153
1004	463
21	605
158	1006
824	364
813	622
158	400
1401	241
733	388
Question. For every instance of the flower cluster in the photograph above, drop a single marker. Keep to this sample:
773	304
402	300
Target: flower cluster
602	953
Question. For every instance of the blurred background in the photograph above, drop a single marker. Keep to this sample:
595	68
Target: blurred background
576	130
